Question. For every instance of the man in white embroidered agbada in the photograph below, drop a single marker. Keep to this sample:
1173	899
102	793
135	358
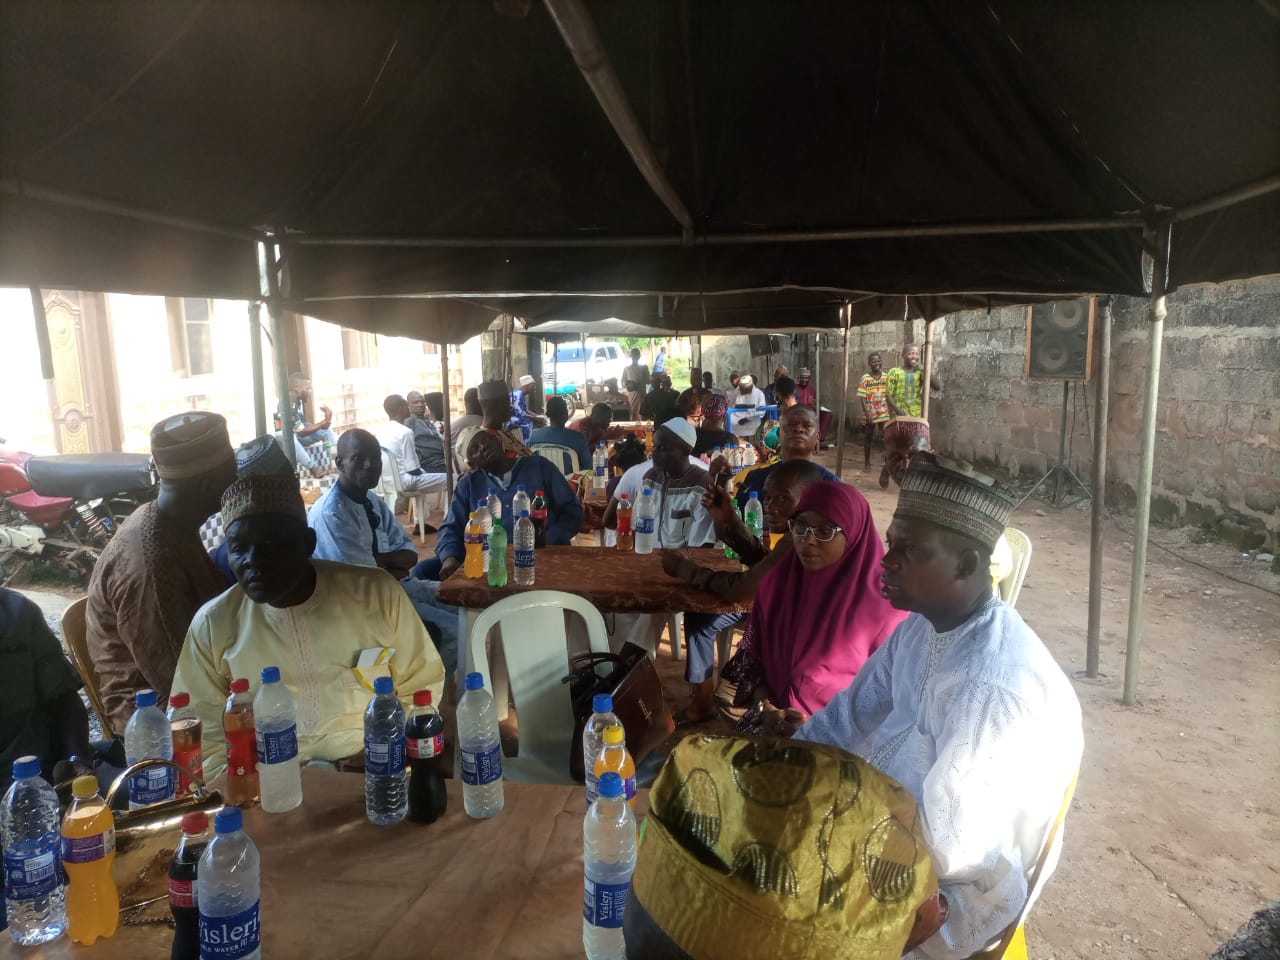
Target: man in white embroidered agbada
963	706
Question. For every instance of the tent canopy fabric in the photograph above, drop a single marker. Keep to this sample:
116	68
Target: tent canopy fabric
453	148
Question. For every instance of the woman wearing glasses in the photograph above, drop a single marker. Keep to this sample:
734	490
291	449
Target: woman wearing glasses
817	615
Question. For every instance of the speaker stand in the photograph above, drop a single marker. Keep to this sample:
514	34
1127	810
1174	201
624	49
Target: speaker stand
1060	472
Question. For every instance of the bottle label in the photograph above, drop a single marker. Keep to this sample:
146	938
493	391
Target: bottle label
603	904
193	762
227	938
151	786
524	558
277	746
242	755
624	521
629	789
425	748
382	757
88	849
481	768
644	525
182	893
473	538
32	872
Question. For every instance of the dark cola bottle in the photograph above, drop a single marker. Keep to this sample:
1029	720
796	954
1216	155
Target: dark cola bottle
424	741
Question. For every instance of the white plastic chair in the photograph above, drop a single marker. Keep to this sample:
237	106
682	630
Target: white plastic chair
1020	547
418	501
535	648
565	458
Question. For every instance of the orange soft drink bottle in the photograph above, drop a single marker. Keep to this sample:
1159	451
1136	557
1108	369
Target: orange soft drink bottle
614	757
88	851
474	566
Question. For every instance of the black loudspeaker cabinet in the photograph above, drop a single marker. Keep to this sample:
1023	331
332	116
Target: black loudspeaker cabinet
763	345
1060	340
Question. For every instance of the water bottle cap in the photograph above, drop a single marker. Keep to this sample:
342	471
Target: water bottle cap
612	734
144	698
753	495
197	822
422	698
475	681
240	686
179	699
228	820
82	788
524	513
519	487
270	674
609	785
493	491
383	685
25	767
481	505
648	492
602	703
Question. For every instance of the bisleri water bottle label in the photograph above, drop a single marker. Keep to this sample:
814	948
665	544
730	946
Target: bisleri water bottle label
88	849
31	871
481	768
644	525
603	904
277	746
230	937
524	558
382	757
151	786
425	748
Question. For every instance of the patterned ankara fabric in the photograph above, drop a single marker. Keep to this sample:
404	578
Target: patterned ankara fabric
262	494
906	389
983	728
147	585
966	503
872	390
759	848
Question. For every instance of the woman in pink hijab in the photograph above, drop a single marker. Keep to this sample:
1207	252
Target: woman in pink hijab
818	615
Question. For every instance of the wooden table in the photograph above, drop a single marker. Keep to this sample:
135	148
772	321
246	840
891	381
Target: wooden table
615	581
336	886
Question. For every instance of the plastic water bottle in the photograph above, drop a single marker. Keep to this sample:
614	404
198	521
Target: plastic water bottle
644	522
147	736
599	467
227	888
609	860
424	743
729	552
497	569
494	503
186	730
183	871
481	751
626	538
753	515
386	797
525	541
520	501
486	518
35	900
538	514
593	738
275	728
749	455
475	544
88	851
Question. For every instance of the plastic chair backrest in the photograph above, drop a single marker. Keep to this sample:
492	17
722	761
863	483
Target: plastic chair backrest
534	645
77	640
1020	547
389	486
565	458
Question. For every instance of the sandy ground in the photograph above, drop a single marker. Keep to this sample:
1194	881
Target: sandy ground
1173	838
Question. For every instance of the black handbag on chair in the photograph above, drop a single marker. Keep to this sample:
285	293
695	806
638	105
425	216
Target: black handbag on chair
633	682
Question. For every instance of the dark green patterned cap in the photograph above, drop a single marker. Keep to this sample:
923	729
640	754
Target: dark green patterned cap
956	498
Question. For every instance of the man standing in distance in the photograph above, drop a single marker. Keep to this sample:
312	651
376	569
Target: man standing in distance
634	380
875	405
904	385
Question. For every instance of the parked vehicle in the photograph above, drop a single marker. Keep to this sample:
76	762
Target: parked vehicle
571	368
65	508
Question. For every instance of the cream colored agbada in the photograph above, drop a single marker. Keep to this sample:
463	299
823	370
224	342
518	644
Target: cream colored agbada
316	645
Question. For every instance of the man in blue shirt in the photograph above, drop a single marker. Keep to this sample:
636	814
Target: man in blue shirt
491	470
355	527
558	414
521	418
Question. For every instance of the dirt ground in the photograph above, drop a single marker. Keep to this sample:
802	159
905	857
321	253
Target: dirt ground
1173	838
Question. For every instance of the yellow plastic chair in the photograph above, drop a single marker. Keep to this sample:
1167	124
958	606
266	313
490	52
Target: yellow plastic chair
1012	942
76	637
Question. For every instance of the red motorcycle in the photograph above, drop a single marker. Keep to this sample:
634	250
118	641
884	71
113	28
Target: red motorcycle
63	509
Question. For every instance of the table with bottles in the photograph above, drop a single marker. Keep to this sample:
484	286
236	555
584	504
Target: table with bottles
334	885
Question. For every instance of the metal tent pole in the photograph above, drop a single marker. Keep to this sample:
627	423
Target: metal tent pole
42	332
255	361
269	261
448	434
1142	521
844	393
928	368
1102	414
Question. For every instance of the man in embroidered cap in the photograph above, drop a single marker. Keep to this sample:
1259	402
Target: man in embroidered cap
746	406
329	627
806	393
963	706
154	574
522	419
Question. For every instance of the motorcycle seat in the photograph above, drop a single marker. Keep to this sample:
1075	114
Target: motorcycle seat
87	476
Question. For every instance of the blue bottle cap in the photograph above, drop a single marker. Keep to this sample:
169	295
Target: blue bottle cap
382	685
144	698
648	492
481	504
753	495
608	786
270	674
602	703
475	681
493	491
25	767
519	486
524	513
228	820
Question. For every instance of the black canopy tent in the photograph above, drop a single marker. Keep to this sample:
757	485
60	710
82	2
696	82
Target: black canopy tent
1022	148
